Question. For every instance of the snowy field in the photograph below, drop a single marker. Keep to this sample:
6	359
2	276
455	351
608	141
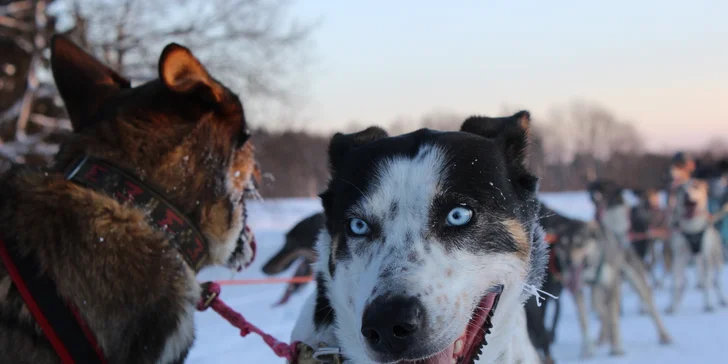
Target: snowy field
699	337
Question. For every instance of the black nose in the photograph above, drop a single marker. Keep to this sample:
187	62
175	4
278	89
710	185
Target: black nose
390	324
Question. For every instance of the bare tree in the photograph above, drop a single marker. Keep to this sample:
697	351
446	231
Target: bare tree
593	133
716	148
25	26
253	46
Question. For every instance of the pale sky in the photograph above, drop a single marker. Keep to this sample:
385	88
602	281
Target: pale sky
663	63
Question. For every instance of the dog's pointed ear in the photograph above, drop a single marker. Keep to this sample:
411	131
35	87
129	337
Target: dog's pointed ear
487	127
181	72
83	82
342	144
511	133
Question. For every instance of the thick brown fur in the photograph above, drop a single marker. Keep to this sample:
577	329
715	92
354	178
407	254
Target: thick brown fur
183	134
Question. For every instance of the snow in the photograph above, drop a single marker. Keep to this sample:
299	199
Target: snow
698	336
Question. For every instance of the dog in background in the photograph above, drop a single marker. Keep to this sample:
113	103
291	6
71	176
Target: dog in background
605	261
299	244
696	237
649	226
430	239
559	231
577	251
89	225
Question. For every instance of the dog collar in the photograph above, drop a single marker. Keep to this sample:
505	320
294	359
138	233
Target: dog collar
113	181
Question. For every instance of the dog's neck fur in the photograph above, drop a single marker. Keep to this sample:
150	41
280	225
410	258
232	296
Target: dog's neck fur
700	219
697	223
122	244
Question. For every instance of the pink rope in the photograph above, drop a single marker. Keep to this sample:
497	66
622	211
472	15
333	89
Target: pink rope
282	350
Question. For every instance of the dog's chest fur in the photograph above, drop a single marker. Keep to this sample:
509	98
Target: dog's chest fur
131	287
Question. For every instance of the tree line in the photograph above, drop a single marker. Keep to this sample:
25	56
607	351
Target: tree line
261	52
575	144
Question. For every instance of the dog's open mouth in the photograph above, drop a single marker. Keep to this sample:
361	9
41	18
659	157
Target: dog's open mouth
468	347
245	247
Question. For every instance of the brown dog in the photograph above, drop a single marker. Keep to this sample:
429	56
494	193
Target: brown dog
128	272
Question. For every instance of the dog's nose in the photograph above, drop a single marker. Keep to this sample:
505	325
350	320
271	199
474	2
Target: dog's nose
390	324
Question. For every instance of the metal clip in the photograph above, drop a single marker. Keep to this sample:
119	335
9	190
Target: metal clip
328	355
207	295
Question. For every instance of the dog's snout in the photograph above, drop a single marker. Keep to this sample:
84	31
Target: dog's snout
390	324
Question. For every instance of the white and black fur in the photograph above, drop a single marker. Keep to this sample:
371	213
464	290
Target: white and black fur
696	237
619	260
404	187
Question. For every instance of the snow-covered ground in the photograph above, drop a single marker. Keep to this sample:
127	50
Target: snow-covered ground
699	337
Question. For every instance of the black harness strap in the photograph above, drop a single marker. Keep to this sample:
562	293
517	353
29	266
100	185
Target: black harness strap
62	326
695	240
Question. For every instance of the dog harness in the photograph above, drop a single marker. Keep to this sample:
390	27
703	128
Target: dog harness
551	239
694	240
58	318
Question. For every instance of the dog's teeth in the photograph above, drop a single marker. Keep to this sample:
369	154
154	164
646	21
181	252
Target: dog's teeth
453	361
458	347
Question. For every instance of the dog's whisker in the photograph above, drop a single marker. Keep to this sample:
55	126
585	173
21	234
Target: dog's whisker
352	185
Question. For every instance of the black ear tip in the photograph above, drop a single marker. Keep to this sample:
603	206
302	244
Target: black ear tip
54	38
374	132
374	129
523	114
56	41
173	46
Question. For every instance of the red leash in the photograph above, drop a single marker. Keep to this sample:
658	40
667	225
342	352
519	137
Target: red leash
211	298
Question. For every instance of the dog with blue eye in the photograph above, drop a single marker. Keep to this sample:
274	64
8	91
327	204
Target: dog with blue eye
429	240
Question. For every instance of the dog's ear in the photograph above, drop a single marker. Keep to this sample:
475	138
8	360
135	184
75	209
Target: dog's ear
511	133
83	82
181	72
516	125
340	147
342	144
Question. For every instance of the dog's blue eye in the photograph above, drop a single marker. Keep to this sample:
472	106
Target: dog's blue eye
358	226
459	216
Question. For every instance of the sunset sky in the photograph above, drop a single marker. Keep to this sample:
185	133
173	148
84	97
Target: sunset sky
663	64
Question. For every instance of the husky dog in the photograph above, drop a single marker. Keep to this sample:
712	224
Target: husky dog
563	235
147	190
299	245
430	240
606	262
696	237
